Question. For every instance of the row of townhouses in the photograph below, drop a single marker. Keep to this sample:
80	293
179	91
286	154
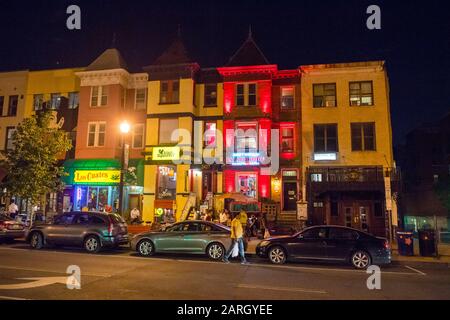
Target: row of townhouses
334	145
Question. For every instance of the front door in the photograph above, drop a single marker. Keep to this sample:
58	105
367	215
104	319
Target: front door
290	196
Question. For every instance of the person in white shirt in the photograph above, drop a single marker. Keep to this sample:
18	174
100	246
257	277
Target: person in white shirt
13	209
135	216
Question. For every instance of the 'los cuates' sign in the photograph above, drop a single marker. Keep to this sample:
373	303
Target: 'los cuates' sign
96	176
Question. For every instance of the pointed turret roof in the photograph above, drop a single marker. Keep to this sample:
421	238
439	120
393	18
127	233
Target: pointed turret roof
248	54
109	59
176	53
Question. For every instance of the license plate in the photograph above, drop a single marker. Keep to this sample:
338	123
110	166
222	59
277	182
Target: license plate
15	227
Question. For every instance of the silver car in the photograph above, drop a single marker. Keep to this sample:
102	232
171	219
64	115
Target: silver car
196	237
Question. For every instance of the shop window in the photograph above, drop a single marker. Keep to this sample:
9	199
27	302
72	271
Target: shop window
246	94
324	95
363	136
167	182
325	138
166	128
287	98
141	99
169	92
210	134
96	134
361	93
287	139
247	184
12	105
9	144
99	96
138	136
74	100
246	137
210	95
334	209
38	102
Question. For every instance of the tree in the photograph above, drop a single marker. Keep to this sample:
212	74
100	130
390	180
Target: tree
33	166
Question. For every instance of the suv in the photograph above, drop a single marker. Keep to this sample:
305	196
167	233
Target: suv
91	230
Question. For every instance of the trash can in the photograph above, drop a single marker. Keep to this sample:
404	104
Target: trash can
427	245
405	242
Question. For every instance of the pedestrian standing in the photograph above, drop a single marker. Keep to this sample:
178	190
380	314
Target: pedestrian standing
237	238
223	217
13	209
135	216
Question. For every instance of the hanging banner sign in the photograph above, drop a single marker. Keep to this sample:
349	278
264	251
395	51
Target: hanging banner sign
166	153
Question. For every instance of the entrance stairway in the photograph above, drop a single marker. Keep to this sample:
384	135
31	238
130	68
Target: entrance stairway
287	219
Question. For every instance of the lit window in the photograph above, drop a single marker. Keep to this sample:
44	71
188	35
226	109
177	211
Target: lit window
138	136
287	139
141	99
38	102
246	137
324	95
167	182
9	145
316	177
73	100
166	129
210	134
169	92
361	93
287	98
96	134
55	101
210	95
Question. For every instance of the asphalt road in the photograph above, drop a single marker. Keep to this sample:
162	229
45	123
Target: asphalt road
123	275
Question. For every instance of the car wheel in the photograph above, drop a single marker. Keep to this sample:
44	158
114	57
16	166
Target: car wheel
37	240
145	248
92	244
277	255
215	251
360	259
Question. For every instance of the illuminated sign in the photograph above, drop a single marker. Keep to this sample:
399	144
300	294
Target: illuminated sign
246	159
96	176
166	153
331	156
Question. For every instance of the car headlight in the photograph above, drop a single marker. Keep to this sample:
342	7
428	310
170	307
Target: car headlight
264	243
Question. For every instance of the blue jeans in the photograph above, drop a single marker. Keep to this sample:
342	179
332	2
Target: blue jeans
240	242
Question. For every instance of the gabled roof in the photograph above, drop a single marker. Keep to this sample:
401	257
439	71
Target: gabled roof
109	59
176	53
248	54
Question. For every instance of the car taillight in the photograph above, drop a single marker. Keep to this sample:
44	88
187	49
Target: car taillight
387	246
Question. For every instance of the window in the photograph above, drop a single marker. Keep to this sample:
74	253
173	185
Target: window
38	102
169	91
210	95
343	234
2	100
361	93
141	99
167	182
287	139
138	136
246	137
210	134
74	100
55	101
12	106
334	209
324	95
287	98
166	128
96	134
9	144
316	177
99	96
363	136
325	138
246	94
315	233
378	209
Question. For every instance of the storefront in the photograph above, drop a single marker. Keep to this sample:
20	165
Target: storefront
93	184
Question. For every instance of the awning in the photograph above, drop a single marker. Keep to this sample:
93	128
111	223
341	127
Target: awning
71	165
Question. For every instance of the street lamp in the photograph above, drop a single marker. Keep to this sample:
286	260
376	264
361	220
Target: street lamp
124	129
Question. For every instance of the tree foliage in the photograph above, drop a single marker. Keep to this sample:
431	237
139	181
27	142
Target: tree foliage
33	165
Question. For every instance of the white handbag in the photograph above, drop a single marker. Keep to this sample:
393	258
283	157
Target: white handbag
235	251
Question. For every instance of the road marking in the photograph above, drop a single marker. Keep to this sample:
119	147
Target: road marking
145	259
51	271
247	286
418	271
36	282
11	298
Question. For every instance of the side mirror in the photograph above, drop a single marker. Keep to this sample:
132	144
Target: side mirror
300	236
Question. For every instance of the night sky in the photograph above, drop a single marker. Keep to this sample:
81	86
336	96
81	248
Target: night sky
414	39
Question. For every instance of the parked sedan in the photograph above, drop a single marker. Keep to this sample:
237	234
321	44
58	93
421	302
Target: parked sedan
90	230
327	243
10	228
196	237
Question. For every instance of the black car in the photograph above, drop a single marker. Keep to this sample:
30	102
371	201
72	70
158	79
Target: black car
327	243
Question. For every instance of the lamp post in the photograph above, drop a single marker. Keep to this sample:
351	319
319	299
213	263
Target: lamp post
124	129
